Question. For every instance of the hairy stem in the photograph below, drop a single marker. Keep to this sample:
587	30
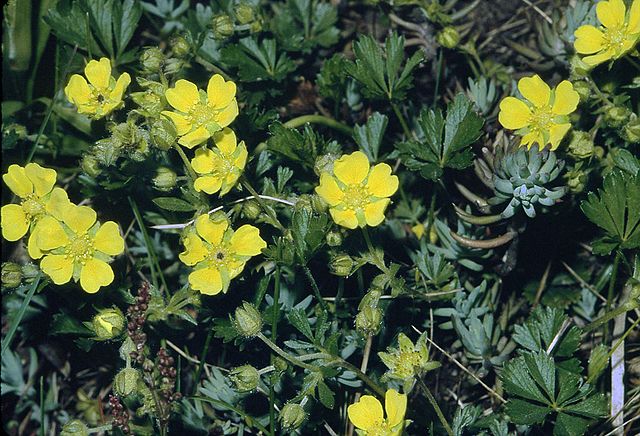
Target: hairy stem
434	403
319	119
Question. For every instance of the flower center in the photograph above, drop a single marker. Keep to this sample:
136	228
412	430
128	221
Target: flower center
218	256
379	429
80	249
356	196
541	118
32	206
615	37
200	114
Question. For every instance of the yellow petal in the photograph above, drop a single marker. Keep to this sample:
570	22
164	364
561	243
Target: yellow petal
599	58
329	190
99	73
194	249
79	218
182	123
228	114
197	137
366	413
242	154
208	184
95	274
514	113
17	180
589	39
345	218
566	99
118	91
219	92
557	132
206	280
246	241
58	202
43	179
32	244
535	90
352	168
58	267
50	234
183	96
108	239
532	138
211	231
202	163
634	18
374	212
395	404
380	182
14	222
226	140
78	91
611	13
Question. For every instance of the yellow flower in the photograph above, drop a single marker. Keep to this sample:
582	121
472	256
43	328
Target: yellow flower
357	194
217	252
102	94
367	414
34	185
219	168
543	118
618	33
201	114
418	230
79	247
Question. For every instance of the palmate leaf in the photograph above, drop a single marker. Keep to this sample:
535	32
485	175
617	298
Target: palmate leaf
616	209
369	136
301	25
443	142
542	327
257	61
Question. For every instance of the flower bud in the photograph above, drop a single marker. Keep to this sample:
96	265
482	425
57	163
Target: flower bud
165	179
108	323
448	37
90	165
292	416
581	145
17	129
11	275
175	65
248	321
222	26
324	164
280	364
369	321
163	134
29	272
126	382
151	60
578	67
334	238
341	265
245	378
256	26
180	47
583	89
244	13
616	116
318	204
631	130
75	428
251	209
576	180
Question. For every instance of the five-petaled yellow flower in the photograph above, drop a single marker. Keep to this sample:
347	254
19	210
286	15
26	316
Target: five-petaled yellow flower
543	118
618	34
220	167
34	185
102	94
357	194
78	247
368	417
201	114
217	252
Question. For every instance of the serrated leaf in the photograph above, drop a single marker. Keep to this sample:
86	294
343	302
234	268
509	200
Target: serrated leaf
308	230
298	319
523	412
302	25
517	381
369	136
173	204
616	209
224	329
570	425
443	143
541	328
326	395
65	324
542	368
598	361
257	61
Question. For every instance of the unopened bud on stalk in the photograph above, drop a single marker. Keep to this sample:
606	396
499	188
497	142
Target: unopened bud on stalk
292	416
108	323
222	26
165	179
581	145
341	265
244	13
179	46
248	321
251	209
90	165
126	382
152	59
75	428
448	37
369	321
334	238
245	378
11	275
616	116
631	131
163	134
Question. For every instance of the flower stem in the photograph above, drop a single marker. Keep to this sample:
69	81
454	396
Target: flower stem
280	352
314	286
262	204
434	403
403	122
185	161
612	284
274	336
629	306
207	342
319	119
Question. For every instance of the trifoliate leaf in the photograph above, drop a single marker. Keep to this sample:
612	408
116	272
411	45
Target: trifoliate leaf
380	71
616	209
302	25
256	62
542	327
443	142
369	136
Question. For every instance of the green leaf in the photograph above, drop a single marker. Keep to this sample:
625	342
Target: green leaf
523	412
443	142
624	160
308	231
570	425
224	329
65	324
298	319
598	361
517	381
173	204
369	136
380	71
326	395
537	333
542	368
302	25
616	209
125	20
292	144
256	62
